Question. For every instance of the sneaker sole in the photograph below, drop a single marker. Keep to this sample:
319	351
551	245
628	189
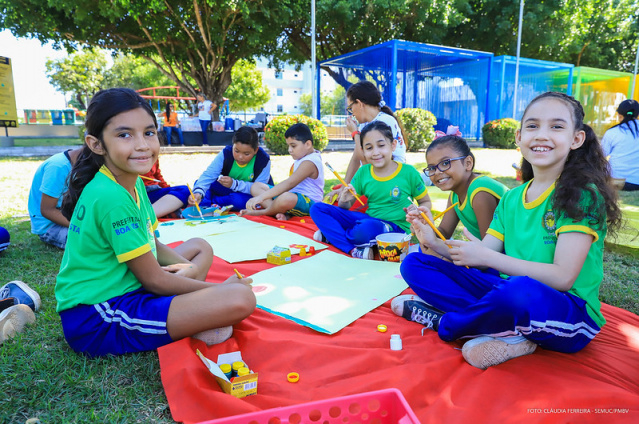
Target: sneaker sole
32	293
484	352
13	320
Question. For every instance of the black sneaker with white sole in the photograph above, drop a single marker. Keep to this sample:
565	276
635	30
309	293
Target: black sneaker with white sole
413	308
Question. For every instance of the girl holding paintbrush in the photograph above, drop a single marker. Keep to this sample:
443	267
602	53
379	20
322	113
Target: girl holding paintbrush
473	198
390	187
546	240
120	290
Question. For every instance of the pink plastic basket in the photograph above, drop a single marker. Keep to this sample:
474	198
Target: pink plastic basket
379	407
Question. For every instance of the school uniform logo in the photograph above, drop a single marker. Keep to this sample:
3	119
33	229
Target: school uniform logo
395	193
549	221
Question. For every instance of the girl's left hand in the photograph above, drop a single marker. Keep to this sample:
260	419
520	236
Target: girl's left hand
185	269
351	124
225	181
469	253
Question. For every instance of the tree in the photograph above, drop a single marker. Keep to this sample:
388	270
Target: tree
333	104
135	73
80	74
246	90
195	43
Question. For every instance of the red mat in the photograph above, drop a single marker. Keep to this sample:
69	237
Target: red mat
599	383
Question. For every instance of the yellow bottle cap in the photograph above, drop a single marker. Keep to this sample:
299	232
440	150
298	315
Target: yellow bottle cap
243	371
382	328
237	365
293	377
226	368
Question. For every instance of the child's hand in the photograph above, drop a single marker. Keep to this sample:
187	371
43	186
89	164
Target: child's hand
422	231
234	280
185	269
225	181
469	253
253	203
197	197
346	194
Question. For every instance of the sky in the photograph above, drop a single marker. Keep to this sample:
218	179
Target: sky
28	58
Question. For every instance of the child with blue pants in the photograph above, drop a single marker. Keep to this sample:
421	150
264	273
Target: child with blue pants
389	186
546	240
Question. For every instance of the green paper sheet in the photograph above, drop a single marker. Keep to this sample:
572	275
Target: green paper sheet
327	291
235	239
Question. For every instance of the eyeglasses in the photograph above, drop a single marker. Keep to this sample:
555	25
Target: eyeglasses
442	166
349	108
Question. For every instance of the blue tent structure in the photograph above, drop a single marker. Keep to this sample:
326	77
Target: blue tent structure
451	83
535	77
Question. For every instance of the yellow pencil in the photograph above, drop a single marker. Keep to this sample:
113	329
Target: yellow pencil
150	179
238	273
439	215
196	204
439	234
344	183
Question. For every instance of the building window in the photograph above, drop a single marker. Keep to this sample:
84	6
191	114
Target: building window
295	91
280	92
278	75
295	107
280	108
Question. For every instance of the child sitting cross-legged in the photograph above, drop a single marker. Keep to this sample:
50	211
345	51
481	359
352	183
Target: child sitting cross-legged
229	178
304	187
390	187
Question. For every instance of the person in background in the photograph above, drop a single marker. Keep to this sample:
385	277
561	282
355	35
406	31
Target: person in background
171	122
165	199
45	198
205	109
621	145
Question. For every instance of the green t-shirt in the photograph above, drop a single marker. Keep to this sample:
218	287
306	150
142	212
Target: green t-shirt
107	229
387	197
529	232
465	211
242	173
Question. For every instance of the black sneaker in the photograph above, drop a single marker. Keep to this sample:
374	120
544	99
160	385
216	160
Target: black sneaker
415	309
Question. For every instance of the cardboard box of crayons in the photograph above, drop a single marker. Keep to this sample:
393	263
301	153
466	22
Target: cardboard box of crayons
239	386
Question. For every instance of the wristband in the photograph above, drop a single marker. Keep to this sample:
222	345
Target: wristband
354	133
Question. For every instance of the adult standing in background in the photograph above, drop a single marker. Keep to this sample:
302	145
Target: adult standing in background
365	104
205	109
621	144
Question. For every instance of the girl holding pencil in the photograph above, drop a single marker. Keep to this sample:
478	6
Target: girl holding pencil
120	290
473	197
546	239
390	187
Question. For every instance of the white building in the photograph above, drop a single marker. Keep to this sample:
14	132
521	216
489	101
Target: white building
286	86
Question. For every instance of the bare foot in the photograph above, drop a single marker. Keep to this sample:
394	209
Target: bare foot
281	217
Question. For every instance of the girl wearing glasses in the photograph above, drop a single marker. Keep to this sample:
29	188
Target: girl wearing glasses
450	168
546	239
365	105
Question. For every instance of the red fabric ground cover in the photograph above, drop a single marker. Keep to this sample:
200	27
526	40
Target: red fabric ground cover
599	383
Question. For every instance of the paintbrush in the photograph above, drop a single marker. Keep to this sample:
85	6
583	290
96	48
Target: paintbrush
150	179
196	203
344	183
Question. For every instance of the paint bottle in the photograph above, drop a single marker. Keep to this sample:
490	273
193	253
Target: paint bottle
236	366
243	371
395	342
226	369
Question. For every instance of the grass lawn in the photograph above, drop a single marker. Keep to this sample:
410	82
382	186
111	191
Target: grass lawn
41	377
32	142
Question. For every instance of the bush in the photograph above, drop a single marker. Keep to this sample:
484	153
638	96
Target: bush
418	127
500	133
275	129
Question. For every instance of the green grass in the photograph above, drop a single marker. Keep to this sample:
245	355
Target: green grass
32	142
41	377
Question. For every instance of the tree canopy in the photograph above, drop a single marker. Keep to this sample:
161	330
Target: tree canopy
195	43
246	90
81	73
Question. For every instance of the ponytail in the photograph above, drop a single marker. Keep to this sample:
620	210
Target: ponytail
87	165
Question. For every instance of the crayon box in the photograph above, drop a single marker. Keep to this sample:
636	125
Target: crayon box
235	386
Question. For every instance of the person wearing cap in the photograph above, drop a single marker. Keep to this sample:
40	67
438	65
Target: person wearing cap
621	145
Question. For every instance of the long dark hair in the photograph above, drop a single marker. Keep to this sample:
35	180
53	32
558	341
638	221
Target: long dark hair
586	170
367	93
104	105
456	143
167	111
629	109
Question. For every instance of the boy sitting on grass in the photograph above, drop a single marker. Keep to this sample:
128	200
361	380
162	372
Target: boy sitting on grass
305	185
